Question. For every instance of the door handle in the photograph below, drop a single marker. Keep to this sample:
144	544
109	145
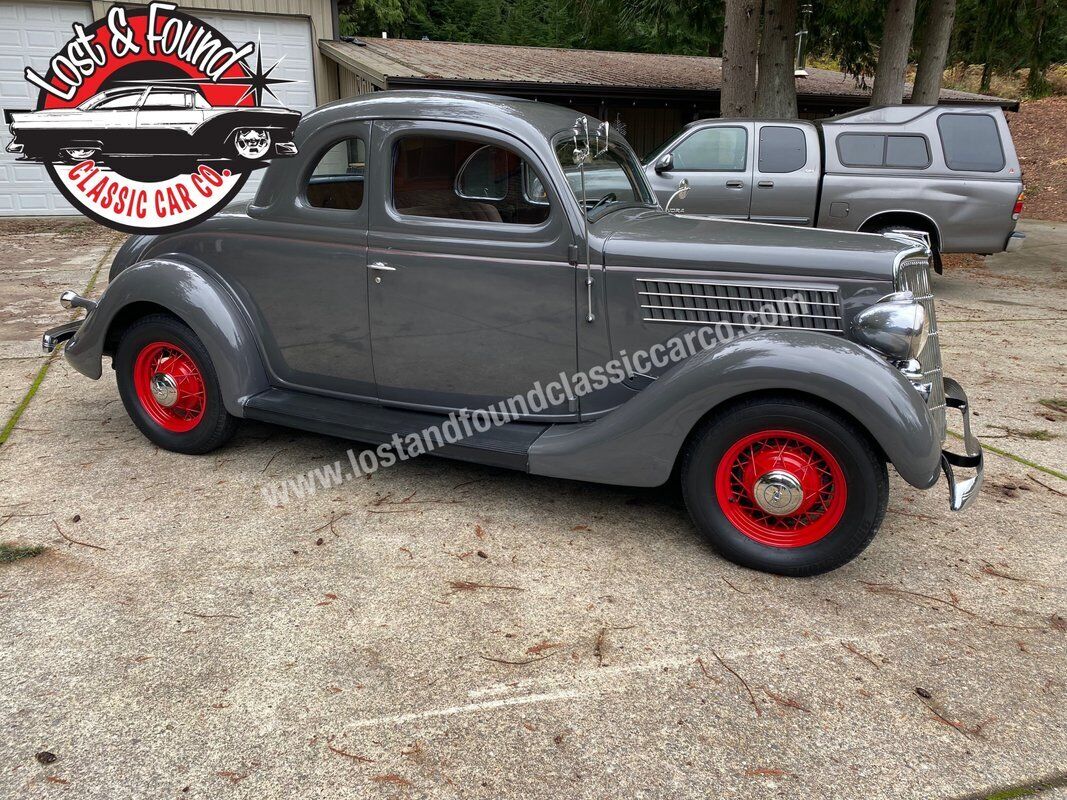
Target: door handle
766	184
735	184
381	265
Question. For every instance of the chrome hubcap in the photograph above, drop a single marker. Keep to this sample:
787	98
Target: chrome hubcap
164	389
778	492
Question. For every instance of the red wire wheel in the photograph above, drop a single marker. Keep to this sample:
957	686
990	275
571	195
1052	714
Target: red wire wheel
781	488
169	386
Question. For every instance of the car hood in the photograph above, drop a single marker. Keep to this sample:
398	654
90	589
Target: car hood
650	239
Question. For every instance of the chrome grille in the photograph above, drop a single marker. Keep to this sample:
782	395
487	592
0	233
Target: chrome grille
709	303
914	277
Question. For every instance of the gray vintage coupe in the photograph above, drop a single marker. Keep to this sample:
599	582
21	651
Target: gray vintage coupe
431	256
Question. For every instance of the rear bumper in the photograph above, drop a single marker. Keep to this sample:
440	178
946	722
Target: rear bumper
962	491
1015	242
54	337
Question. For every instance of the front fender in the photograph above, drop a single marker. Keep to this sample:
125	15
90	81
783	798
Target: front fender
638	443
201	302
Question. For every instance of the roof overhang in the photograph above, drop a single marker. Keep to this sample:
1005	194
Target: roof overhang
384	72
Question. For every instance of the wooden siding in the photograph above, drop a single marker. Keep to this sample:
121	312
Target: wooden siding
353	85
319	12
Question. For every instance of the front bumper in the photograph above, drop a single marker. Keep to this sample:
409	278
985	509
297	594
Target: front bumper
962	492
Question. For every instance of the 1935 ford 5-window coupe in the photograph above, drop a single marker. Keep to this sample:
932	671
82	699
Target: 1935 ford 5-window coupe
428	255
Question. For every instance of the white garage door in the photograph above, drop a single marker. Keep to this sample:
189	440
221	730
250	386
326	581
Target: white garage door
287	39
30	34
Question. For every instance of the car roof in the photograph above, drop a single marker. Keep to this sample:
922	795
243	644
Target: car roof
497	111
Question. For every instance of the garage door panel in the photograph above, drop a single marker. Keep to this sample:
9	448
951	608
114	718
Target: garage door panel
30	33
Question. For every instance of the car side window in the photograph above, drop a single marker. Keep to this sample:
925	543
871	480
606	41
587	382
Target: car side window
337	181
450	177
782	149
971	142
723	148
131	100
157	99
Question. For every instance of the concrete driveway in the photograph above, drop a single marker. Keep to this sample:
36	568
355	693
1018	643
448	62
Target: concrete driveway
449	631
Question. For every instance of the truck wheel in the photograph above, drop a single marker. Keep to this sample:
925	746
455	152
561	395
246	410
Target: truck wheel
784	486
169	387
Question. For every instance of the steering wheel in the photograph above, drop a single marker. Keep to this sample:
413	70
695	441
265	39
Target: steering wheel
610	197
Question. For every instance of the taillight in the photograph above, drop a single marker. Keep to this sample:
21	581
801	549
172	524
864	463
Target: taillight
1015	212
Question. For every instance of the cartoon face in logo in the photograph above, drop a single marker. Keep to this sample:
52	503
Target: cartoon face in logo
151	120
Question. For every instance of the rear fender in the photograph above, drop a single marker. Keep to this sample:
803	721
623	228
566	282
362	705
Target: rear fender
639	442
187	291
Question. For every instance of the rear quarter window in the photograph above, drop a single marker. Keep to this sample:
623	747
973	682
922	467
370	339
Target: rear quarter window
781	149
971	142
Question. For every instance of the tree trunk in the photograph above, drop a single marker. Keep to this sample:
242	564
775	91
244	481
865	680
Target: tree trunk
776	86
893	54
740	32
987	77
1036	85
935	42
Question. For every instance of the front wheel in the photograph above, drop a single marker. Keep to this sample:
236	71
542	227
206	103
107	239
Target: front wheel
785	486
169	387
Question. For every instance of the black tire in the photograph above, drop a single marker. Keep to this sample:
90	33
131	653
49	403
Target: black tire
214	426
864	471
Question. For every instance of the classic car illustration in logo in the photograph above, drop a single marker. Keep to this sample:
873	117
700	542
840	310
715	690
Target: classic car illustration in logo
152	133
151	120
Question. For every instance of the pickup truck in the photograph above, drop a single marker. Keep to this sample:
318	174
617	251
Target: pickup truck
950	172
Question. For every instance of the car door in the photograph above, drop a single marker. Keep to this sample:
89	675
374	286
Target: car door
786	174
169	110
472	296
113	122
716	161
302	274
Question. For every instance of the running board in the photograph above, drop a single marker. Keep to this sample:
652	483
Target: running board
505	445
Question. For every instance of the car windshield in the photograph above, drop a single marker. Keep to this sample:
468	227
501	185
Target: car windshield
612	176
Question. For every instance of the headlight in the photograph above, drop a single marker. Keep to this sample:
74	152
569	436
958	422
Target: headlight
895	326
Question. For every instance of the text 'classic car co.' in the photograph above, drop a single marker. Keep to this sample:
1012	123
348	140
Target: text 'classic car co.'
650	96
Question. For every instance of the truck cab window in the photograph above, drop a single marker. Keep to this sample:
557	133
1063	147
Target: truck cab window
719	149
337	179
971	142
781	149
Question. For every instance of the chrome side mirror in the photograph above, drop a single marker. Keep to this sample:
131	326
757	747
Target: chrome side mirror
680	193
665	163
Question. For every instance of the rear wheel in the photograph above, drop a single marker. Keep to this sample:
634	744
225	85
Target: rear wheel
784	486
169	387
